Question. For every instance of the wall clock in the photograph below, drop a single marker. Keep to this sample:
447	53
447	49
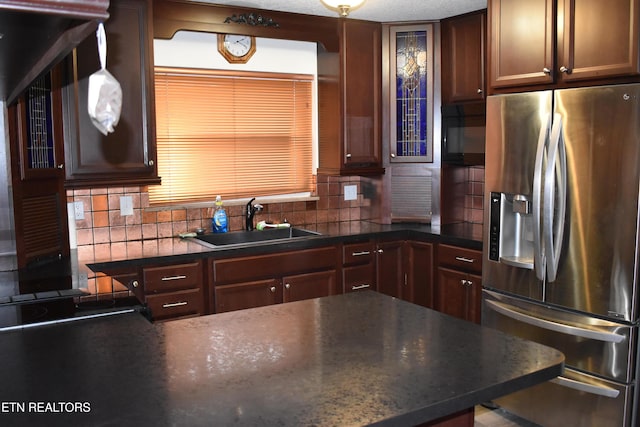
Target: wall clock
235	48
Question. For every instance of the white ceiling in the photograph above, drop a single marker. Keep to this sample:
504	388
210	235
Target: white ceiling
371	10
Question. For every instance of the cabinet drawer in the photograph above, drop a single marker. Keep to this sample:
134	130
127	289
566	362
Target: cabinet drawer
357	253
170	278
175	304
359	277
460	258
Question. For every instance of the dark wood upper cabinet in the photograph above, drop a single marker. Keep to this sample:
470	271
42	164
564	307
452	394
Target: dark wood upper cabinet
522	37
559	42
349	92
600	38
463	52
128	155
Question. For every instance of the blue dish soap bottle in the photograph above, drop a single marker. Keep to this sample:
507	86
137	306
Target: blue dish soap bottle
219	220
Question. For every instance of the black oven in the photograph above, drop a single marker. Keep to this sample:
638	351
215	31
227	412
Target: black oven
463	129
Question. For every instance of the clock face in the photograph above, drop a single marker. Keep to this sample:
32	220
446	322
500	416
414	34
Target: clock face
236	48
237	45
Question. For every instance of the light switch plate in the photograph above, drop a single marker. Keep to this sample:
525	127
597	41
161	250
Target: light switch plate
126	206
350	192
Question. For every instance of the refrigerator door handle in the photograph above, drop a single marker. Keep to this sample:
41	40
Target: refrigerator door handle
555	198
553	326
587	388
536	206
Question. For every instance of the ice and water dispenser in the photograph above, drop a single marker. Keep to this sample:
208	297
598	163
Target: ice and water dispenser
511	232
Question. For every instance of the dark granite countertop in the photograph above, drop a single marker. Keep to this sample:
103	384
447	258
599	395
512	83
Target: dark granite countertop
354	359
154	250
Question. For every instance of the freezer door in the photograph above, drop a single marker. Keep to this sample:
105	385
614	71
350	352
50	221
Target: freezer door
575	399
515	125
599	346
597	269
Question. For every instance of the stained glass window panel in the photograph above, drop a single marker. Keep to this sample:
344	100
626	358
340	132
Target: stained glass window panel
412	76
40	148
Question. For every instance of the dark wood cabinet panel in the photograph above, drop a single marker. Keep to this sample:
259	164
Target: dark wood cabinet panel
463	51
173	277
522	36
599	39
249	268
359	277
169	291
239	296
173	305
37	173
127	156
420	272
349	98
459	282
309	285
459	294
254	281
562	42
390	277
359	266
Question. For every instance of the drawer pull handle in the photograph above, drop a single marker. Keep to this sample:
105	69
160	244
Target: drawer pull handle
168	278
360	253
464	259
135	284
174	304
357	287
272	289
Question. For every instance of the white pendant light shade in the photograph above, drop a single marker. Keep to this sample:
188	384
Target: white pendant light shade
343	6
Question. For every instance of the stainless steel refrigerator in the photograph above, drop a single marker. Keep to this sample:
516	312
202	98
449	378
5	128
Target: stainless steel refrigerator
562	179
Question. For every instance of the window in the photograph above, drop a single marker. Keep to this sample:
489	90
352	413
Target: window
411	72
237	134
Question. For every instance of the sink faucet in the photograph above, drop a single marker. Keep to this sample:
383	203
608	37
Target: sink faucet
250	211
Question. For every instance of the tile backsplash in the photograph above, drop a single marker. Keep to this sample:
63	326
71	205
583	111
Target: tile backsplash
105	230
474	196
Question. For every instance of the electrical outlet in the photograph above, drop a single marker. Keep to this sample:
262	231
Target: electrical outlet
350	192
126	206
78	211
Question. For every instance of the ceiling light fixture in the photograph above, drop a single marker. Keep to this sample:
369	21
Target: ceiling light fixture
343	6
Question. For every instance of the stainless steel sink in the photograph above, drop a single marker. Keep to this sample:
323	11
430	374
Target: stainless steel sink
253	237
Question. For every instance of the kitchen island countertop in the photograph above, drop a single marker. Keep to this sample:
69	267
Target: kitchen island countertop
353	359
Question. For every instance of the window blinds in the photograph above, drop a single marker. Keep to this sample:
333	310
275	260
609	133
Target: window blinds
233	134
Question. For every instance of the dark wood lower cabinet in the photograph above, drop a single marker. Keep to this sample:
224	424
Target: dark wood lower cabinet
255	281
309	285
419	270
390	277
359	266
459	282
239	296
459	294
404	269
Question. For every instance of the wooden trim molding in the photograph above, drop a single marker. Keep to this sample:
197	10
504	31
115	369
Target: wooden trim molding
171	16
